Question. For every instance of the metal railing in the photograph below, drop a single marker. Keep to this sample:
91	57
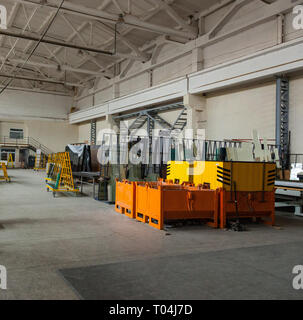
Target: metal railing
171	148
296	159
28	142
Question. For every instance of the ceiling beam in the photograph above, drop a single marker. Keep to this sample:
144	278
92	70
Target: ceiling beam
27	25
227	16
101	15
55	66
264	14
144	25
118	6
11	19
42	27
79	35
126	68
143	56
19	77
217	6
82	26
67	93
139	56
53	42
75	9
146	17
21	55
177	18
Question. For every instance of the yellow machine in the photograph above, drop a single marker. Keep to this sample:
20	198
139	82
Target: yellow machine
5	176
242	176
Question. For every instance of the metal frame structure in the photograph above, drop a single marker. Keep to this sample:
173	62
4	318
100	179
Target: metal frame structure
26	142
93	132
103	21
282	120
64	181
94	20
152	116
208	150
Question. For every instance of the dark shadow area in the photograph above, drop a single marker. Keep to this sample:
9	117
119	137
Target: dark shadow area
263	272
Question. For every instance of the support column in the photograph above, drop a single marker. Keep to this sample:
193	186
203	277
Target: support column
197	59
281	28
108	127
282	120
201	26
116	93
93	132
196	111
17	157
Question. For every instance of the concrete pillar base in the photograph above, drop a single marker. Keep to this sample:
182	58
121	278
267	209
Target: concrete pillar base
196	112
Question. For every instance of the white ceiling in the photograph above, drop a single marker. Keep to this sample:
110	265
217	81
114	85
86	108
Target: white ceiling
141	22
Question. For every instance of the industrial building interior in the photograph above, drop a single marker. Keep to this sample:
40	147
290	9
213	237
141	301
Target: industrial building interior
151	150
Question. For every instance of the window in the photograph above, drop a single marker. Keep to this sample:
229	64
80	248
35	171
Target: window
16	133
6	152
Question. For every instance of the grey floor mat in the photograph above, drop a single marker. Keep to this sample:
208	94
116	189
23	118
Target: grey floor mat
247	273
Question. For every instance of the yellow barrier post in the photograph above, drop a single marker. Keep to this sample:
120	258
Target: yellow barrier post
10	162
5	176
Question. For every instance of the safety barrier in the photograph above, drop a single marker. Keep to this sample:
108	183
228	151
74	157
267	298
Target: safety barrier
59	176
40	162
126	198
53	167
5	176
10	162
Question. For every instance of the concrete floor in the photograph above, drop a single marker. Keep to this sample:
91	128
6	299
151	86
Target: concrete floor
42	235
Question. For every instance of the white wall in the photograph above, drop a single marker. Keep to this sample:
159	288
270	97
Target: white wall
296	115
5	127
236	113
30	105
41	116
55	135
84	132
84	129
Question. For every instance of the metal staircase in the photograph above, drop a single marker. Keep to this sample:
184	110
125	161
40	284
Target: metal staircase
152	116
181	121
138	123
163	123
26	142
